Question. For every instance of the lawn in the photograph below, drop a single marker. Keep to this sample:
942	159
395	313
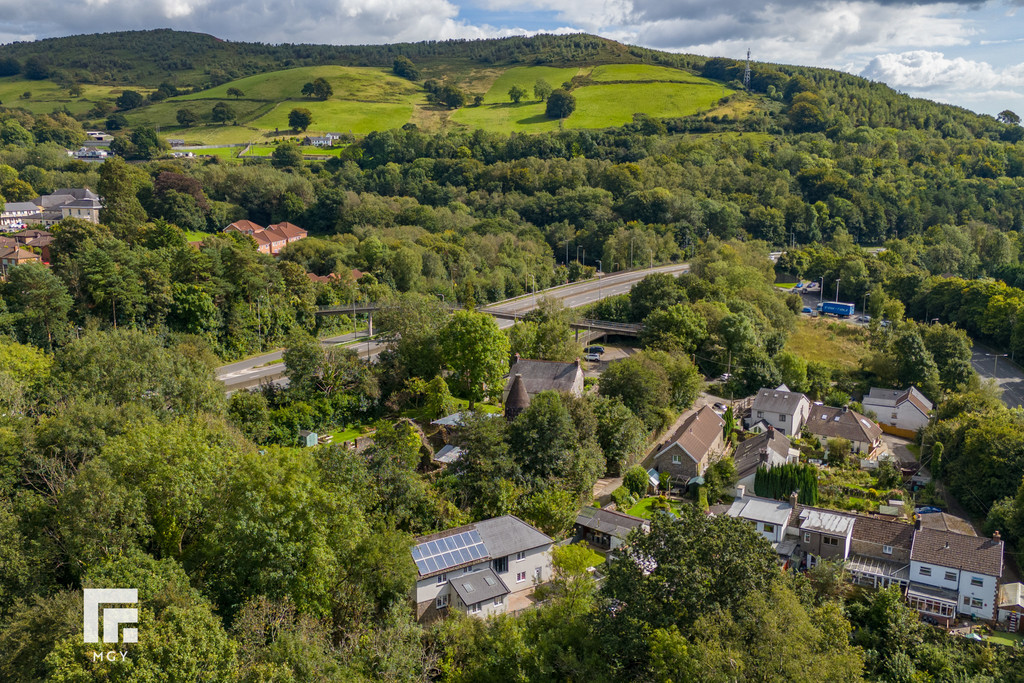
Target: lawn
222	152
498	113
833	343
1010	639
645	508
194	236
348	434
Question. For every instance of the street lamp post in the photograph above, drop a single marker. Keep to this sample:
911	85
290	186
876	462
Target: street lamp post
631	239
864	304
598	265
837	288
578	247
821	290
995	362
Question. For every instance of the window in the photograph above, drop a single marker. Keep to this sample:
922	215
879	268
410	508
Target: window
975	602
442	601
828	540
760	413
497	600
887	549
967	600
474	608
807	537
442	579
520	577
894	416
950	576
675	459
975	581
782	418
769	528
520	556
500	565
926	571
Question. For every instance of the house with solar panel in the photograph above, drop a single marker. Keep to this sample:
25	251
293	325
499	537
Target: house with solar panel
481	569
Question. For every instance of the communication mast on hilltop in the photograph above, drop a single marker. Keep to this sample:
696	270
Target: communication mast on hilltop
746	72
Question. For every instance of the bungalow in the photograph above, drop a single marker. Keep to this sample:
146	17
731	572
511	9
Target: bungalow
901	412
545	375
479	569
784	410
865	437
954	574
317	141
769	448
692	447
606	529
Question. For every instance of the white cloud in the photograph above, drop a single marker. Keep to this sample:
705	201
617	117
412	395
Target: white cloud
923	70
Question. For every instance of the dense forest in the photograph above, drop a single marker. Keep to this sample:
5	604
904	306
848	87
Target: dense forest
122	462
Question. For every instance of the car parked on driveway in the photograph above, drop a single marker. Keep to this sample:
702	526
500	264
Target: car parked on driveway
594	349
592	357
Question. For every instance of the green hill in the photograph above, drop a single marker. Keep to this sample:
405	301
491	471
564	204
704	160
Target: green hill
83	76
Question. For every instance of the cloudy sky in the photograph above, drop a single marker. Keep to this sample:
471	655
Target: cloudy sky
967	53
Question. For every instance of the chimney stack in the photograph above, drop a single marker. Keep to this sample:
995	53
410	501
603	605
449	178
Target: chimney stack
577	362
996	536
793	498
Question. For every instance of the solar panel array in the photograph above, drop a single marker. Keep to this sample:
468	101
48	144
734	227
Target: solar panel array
448	552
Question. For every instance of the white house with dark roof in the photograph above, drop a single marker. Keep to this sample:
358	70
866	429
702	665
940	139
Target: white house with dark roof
907	410
479	568
784	410
954	574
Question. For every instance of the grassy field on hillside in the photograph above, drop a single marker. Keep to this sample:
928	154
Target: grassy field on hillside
834	343
339	116
597	106
47	95
364	100
643	72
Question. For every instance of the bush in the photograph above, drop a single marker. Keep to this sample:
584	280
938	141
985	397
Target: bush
635	481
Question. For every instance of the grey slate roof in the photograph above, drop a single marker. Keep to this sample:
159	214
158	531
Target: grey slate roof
755	451
544	375
831	423
18	207
883	532
957	551
479	586
895	397
777	401
615	524
761	510
501	537
509	535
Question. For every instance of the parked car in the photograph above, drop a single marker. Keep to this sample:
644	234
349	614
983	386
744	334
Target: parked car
799	285
719	407
592	357
725	377
594	349
927	510
807	309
